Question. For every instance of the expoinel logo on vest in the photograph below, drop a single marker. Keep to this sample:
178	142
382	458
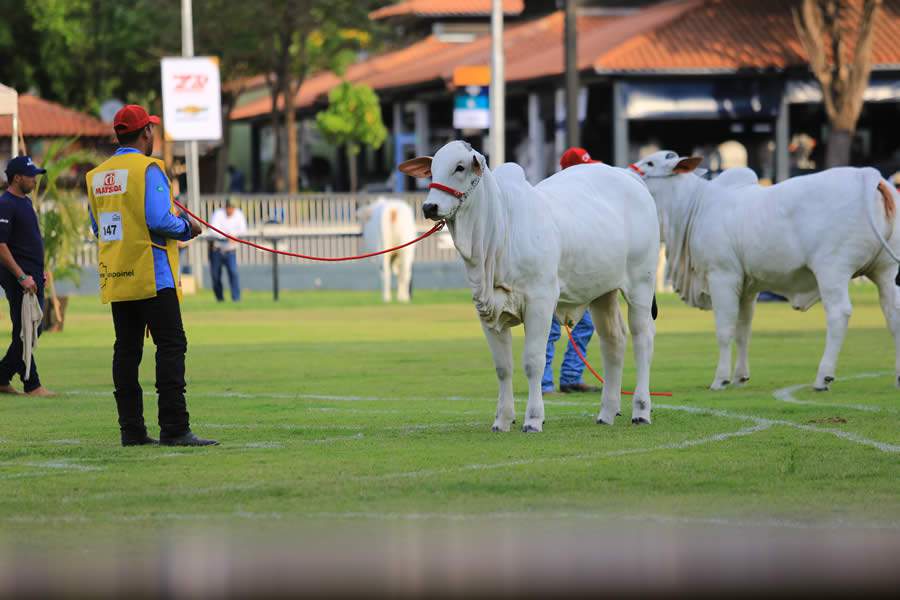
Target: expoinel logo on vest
109	183
105	274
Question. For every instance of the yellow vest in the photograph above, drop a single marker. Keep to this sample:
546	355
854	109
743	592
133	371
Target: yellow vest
116	193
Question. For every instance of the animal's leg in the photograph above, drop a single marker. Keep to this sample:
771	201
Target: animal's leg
642	331
386	278
611	332
835	294
501	350
889	296
538	314
725	292
404	271
742	337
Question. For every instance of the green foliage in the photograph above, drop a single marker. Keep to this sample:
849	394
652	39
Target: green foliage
353	117
82	52
60	212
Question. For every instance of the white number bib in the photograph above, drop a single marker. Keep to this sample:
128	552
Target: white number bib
111	226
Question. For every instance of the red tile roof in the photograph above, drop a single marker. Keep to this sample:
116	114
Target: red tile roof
726	35
42	118
445	8
432	60
678	35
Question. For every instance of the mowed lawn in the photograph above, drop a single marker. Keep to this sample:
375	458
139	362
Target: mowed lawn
330	405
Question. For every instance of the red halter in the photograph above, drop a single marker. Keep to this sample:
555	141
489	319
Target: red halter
448	189
636	169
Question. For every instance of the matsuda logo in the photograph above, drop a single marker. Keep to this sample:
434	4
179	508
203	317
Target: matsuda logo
107	183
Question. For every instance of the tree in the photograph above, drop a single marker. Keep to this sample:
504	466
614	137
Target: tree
83	52
824	32
304	38
353	119
221	30
61	214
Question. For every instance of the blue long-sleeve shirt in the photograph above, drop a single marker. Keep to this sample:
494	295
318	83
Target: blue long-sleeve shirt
160	221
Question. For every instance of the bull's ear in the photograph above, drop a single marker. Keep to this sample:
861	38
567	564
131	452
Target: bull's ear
476	165
687	165
417	167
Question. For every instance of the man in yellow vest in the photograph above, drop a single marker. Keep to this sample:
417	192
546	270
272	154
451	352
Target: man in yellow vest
132	216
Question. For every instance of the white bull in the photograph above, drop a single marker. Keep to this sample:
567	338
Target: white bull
805	238
388	223
571	242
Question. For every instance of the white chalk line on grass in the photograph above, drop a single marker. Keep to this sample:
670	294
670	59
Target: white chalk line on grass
489	517
61	465
845	435
719	437
786	394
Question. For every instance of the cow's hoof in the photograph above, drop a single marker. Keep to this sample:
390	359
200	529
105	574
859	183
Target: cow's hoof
744	380
820	389
720	385
500	427
898	382
618	414
530	429
602	422
640	421
829	379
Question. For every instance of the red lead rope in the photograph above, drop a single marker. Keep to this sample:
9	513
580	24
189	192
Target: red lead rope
595	373
438	226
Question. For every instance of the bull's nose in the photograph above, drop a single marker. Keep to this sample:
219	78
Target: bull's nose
430	210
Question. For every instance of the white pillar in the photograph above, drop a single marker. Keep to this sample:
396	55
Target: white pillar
15	133
423	133
559	122
536	160
498	87
620	126
782	140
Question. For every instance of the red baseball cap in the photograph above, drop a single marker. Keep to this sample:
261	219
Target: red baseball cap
575	156
132	117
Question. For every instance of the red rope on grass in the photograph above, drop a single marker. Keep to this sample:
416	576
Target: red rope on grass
595	373
438	226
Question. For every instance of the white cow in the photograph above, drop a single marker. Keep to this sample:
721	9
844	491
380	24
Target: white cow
571	242
805	238
389	223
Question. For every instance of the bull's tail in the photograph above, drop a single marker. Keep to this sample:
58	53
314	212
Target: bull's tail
888	203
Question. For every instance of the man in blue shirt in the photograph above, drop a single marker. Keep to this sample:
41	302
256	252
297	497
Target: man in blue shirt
22	255
160	315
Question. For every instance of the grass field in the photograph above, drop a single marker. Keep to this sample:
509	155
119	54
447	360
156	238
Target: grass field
333	406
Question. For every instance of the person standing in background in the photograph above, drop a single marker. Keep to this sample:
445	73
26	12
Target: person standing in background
22	255
223	252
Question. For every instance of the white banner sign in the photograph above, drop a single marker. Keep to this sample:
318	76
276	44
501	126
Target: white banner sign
192	103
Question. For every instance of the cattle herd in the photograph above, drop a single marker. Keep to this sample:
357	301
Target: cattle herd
579	238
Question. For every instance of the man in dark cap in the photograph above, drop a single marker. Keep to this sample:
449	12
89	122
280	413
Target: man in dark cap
22	255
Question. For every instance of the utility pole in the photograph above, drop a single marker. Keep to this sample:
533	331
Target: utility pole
498	87
191	154
571	44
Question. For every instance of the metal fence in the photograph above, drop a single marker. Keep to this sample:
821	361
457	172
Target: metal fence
315	224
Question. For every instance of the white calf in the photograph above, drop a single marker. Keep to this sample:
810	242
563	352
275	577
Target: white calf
389	223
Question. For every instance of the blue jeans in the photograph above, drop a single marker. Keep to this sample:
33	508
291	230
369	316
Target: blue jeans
217	260
572	367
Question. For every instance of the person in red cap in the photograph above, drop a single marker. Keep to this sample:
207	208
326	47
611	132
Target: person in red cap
572	369
132	215
576	156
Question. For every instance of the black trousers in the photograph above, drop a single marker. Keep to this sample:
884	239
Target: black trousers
162	315
12	364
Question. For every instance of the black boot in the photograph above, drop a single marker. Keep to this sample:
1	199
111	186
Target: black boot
185	439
